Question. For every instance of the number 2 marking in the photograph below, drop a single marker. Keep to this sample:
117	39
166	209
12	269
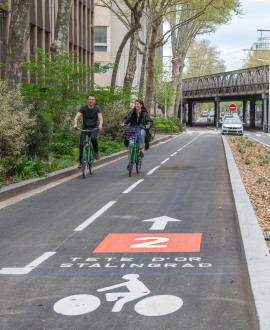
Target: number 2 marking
151	244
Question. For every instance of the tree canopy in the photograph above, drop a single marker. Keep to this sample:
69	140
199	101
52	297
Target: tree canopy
203	59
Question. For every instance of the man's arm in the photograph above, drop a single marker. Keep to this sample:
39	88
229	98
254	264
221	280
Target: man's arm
75	120
100	118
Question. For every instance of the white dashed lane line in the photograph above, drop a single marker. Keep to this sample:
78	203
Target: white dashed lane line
165	160
132	186
153	170
94	216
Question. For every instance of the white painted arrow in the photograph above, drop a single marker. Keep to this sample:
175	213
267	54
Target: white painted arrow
160	222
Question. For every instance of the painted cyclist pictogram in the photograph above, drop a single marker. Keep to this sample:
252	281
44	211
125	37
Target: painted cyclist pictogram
157	305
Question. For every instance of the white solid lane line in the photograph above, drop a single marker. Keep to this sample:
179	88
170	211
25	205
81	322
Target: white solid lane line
94	216
153	170
27	269
165	160
132	186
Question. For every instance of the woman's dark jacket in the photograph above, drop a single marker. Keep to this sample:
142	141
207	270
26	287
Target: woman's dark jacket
143	120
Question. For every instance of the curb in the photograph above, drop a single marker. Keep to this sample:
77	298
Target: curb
253	244
30	184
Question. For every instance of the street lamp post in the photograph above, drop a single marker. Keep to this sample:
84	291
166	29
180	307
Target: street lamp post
268	120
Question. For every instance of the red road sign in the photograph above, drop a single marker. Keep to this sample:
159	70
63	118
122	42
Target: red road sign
232	107
120	243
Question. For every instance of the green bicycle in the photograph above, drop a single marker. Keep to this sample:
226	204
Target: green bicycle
88	160
134	155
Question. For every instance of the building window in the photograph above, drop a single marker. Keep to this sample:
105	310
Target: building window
101	35
100	48
101	39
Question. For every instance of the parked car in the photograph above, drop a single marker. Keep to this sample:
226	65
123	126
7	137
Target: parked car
205	113
232	115
232	125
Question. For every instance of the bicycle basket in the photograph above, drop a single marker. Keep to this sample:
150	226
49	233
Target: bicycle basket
132	133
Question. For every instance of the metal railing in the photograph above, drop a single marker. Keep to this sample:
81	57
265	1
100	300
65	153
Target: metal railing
251	80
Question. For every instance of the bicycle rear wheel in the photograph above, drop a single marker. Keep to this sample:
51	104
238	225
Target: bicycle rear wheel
131	161
138	164
85	161
92	160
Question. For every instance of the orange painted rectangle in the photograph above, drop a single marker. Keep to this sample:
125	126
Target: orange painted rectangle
117	243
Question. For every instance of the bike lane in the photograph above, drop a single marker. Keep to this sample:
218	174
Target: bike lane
163	255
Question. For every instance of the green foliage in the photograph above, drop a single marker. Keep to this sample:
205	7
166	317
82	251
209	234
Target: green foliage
254	59
15	125
55	91
163	125
105	97
4	5
28	168
163	91
113	115
261	179
203	59
107	148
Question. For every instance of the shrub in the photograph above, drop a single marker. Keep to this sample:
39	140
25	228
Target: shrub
107	148
28	168
168	125
113	115
15	125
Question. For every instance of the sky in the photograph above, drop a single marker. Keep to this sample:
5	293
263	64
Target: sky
240	33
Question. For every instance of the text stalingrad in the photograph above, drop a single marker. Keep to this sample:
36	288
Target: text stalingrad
127	262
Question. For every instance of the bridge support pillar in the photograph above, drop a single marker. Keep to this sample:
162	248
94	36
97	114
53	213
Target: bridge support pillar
190	110
244	112
252	113
217	111
182	111
265	110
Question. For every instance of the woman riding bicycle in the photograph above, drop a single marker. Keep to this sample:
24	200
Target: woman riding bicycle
138	117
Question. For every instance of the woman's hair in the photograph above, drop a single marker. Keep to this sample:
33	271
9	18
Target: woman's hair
142	104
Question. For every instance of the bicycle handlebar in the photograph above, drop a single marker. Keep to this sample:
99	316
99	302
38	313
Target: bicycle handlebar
86	130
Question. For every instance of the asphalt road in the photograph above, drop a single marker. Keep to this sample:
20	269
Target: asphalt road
81	256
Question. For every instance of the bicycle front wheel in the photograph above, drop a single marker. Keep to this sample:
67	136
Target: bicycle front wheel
92	161
131	161
85	161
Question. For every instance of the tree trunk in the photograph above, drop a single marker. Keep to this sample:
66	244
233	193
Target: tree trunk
16	50
150	65
175	78
119	53
178	90
145	52
59	45
132	59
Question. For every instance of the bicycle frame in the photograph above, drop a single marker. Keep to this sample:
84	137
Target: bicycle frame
88	163
135	145
133	135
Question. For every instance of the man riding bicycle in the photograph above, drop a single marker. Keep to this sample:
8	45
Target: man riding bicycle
91	114
138	117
